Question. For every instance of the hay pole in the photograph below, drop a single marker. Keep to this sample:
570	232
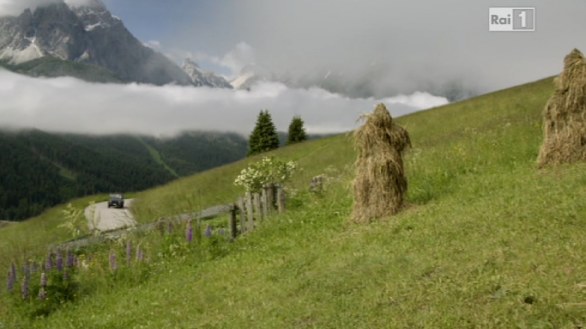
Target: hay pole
380	184
564	116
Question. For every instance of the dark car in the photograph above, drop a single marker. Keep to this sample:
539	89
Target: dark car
116	201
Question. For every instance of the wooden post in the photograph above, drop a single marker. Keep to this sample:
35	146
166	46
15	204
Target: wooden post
280	199
257	208
270	190
232	223
242	215
264	203
249	211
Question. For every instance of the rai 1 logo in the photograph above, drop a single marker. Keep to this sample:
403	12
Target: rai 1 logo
501	19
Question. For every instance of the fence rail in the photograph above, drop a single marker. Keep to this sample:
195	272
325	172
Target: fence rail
245	215
253	208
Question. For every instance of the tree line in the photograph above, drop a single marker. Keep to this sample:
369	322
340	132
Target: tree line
39	170
265	138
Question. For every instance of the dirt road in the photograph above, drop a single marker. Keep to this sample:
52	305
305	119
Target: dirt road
103	219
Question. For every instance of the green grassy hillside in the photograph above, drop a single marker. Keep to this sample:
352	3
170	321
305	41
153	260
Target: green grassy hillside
488	241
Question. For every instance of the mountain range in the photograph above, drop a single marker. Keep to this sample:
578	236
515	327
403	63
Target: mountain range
88	42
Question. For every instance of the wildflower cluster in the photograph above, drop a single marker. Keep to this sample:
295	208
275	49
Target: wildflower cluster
266	171
44	285
41	286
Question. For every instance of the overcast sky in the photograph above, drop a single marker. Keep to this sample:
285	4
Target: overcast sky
383	46
409	54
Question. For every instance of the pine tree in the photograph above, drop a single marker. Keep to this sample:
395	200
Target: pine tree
296	131
264	136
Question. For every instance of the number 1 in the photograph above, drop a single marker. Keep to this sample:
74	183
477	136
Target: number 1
523	16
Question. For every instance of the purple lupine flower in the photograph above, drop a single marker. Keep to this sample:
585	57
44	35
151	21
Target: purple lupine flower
13	271
208	232
49	263
222	232
34	267
27	271
70	259
11	277
113	265
11	282
139	254
189	232
42	294
128	252
59	261
44	280
25	288
43	290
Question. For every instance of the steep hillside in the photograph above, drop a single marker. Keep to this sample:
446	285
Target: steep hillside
39	170
488	240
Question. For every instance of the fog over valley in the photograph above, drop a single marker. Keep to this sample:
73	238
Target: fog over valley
71	105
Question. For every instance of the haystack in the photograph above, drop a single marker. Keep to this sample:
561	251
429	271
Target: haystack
380	184
565	115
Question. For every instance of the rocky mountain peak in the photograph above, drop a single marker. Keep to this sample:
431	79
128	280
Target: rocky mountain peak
203	78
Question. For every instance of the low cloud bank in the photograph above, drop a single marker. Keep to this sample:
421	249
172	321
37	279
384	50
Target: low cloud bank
71	105
16	7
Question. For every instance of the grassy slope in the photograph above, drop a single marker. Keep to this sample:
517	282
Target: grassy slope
484	232
30	238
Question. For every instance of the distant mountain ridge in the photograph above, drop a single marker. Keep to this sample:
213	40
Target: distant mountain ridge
86	35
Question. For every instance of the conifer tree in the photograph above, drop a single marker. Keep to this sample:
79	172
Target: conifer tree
264	136
296	131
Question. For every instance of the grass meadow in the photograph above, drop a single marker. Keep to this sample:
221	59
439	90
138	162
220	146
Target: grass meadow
487	241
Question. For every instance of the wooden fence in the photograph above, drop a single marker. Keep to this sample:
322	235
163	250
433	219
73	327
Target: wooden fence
245	215
253	208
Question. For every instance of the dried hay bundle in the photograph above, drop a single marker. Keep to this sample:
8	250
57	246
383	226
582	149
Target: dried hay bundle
380	183
565	115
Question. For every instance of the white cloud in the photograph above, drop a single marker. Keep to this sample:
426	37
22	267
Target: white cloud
385	47
70	105
153	44
237	58
78	3
16	7
418	99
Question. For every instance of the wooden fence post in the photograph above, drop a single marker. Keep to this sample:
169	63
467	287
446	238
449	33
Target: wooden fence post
232	223
280	199
257	207
270	191
249	211
264	202
242	215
